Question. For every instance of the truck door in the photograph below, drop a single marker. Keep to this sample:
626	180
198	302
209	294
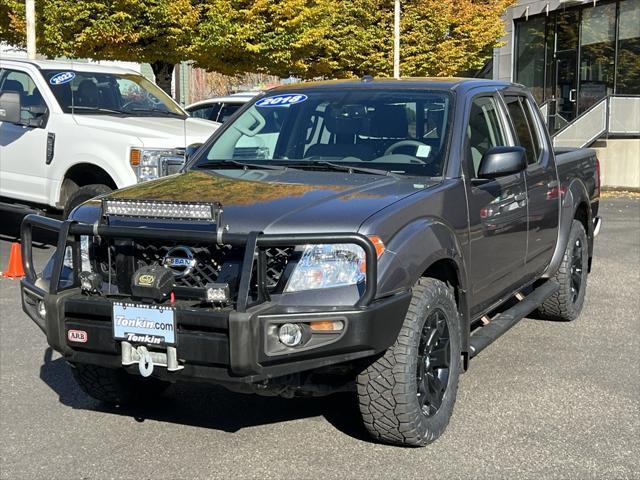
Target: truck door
543	190
497	210
23	145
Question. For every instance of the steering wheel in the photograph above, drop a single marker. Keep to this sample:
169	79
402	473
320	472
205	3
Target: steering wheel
133	102
404	143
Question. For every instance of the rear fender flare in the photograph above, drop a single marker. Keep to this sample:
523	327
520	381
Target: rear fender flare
575	194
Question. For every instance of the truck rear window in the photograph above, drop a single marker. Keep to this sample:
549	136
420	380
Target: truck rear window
401	131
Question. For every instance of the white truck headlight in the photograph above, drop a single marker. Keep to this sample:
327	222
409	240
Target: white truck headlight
328	265
150	163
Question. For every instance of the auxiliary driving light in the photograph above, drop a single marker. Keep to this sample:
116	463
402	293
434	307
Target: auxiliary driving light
290	334
42	309
217	292
90	282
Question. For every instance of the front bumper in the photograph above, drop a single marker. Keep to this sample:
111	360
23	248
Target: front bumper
213	344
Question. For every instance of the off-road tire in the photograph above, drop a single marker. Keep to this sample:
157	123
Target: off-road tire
116	387
564	305
83	194
388	388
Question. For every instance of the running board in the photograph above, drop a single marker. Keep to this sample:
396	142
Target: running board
485	336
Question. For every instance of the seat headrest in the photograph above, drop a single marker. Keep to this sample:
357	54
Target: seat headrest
87	94
345	120
13	86
389	121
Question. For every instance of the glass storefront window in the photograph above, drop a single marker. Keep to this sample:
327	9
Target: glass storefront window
530	47
628	78
597	54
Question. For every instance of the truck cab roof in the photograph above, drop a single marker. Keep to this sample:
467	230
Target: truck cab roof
446	83
67	65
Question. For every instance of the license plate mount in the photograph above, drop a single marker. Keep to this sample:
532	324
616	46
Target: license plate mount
144	324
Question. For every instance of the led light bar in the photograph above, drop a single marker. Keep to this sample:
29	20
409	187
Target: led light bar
155	209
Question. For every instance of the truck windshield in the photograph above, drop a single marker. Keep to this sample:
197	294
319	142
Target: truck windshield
109	93
399	131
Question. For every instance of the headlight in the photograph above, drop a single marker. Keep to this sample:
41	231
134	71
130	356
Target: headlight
150	163
328	265
84	255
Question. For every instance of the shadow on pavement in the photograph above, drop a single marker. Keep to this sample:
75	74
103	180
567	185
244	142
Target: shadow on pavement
10	230
209	406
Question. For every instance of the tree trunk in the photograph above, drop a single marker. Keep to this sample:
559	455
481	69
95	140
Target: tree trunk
164	73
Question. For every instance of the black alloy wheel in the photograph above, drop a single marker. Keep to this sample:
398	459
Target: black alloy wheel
433	363
571	276
576	270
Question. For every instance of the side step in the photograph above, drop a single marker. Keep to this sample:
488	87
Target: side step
484	336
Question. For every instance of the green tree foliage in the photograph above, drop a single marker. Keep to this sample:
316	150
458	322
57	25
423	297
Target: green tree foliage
160	32
343	38
304	38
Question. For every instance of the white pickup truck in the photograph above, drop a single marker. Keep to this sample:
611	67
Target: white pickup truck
70	131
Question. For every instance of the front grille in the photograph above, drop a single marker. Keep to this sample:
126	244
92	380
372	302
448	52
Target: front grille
210	261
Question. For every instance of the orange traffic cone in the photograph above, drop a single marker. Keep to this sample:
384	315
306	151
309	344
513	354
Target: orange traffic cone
14	270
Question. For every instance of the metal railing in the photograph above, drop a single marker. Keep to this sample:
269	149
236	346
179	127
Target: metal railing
584	129
613	115
624	115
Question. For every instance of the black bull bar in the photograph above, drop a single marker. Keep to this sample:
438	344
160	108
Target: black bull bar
69	232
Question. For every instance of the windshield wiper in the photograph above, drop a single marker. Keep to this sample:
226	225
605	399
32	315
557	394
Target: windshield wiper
236	164
344	168
154	110
95	109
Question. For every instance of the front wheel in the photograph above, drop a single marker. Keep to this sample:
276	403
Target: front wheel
115	386
406	397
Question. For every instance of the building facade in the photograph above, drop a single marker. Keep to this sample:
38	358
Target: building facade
574	52
581	60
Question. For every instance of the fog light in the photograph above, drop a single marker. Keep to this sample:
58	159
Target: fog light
290	334
90	282
217	292
42	309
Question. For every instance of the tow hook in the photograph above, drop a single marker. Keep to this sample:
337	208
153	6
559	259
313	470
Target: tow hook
147	360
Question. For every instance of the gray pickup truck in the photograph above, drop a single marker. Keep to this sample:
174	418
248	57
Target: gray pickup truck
369	236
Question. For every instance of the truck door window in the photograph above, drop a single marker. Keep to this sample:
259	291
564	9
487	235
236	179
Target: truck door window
523	126
32	105
208	112
484	130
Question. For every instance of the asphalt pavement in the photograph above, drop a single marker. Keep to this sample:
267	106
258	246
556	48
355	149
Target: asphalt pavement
547	400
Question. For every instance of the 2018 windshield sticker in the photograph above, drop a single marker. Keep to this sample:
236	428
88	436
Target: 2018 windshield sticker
281	100
61	78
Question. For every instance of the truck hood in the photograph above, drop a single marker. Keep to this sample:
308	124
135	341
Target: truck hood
153	132
282	201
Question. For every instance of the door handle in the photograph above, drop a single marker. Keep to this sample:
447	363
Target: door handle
572	95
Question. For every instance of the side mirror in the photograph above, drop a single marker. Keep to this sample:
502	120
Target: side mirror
501	161
191	149
10	107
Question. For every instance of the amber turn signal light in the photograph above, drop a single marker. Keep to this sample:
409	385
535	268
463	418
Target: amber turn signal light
378	243
134	157
326	325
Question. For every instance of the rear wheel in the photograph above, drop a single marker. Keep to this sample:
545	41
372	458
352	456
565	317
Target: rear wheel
115	386
566	304
406	397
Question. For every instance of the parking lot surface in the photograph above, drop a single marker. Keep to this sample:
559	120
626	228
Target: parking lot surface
547	400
